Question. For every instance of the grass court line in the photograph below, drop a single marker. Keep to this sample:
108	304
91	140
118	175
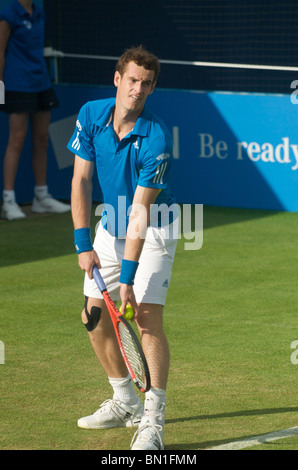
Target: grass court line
256	440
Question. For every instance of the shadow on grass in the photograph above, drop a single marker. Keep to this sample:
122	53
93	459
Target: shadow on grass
51	235
219	216
234	414
35	238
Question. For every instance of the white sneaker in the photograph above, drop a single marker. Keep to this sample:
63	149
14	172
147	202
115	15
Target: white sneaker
11	211
149	436
113	414
49	204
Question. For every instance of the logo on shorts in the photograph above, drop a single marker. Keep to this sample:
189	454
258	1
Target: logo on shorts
165	283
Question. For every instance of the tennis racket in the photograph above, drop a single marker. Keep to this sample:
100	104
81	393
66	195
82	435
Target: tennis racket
129	344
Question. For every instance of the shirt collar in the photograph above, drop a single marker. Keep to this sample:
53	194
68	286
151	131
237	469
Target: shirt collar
21	10
142	124
140	128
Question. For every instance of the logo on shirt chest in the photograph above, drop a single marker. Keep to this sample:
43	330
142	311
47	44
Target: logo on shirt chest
27	24
136	144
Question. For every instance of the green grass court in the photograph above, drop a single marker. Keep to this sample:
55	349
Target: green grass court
231	316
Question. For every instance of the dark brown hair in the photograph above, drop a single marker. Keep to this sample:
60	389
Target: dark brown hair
141	57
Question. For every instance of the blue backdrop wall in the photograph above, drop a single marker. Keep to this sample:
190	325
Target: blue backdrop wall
3	3
231	149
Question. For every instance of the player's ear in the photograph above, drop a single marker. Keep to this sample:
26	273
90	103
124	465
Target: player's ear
117	78
152	88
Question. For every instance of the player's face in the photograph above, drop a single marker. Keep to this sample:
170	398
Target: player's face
134	86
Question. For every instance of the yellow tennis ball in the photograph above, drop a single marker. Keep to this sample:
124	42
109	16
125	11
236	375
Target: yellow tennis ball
129	313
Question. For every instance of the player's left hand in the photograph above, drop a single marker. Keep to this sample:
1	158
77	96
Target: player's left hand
127	296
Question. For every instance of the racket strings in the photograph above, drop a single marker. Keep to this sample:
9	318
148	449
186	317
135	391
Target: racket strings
133	355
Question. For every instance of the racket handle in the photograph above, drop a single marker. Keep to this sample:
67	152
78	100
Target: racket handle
98	279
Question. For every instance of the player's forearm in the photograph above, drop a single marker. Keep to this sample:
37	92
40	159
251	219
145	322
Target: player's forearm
81	202
139	221
136	232
135	237
81	193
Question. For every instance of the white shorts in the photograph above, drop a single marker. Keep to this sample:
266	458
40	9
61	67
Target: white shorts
154	271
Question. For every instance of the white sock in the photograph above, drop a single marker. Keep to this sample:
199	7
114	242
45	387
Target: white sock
124	390
9	195
155	404
41	191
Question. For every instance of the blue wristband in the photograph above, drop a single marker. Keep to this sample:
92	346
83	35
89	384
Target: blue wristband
82	239
128	271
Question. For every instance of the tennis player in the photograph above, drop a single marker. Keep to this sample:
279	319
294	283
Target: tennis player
132	151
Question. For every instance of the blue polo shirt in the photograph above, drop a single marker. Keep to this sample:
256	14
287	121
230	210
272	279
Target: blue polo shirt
25	67
143	157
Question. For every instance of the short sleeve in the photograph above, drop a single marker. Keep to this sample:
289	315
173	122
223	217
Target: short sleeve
155	165
7	15
81	142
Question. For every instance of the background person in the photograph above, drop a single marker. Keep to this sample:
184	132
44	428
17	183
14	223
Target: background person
28	96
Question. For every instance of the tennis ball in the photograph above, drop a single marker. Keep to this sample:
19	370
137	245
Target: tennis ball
129	313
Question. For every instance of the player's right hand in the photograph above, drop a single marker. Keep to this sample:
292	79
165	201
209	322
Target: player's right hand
87	260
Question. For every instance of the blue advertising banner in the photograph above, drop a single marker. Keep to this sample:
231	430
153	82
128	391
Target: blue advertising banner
234	150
